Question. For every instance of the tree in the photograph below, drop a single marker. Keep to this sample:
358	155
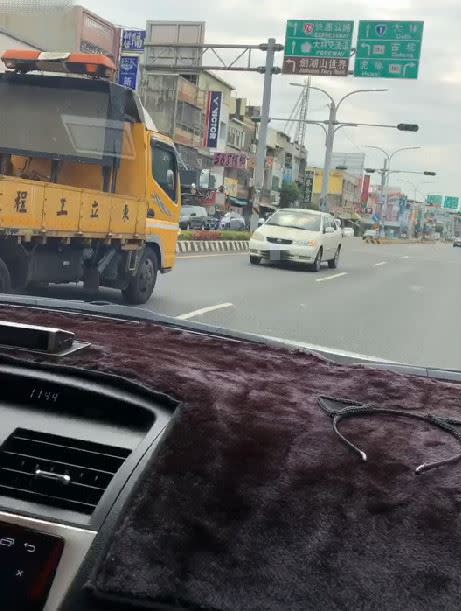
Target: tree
312	206
289	194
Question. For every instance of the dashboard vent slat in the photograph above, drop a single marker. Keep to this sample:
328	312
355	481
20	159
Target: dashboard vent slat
55	470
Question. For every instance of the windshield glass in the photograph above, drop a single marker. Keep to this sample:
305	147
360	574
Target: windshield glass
295	220
319	205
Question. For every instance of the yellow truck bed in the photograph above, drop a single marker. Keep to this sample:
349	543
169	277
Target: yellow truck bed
31	208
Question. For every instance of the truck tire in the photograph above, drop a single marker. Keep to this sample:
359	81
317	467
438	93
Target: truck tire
5	280
142	284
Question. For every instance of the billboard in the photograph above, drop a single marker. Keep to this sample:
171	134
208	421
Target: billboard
98	35
183	33
353	163
308	186
212	118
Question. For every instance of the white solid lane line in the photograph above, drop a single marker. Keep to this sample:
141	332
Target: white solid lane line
380	263
331	277
202	311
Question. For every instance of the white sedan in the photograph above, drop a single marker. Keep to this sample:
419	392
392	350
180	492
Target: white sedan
298	235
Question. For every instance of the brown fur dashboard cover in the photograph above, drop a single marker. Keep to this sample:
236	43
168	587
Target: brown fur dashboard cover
253	502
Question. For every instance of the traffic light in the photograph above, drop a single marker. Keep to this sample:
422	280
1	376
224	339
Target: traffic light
407	127
430	173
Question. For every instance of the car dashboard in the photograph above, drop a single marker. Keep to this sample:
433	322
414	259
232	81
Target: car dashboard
70	449
124	463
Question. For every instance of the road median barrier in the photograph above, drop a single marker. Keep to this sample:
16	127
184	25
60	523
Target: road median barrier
213	246
215	241
397	241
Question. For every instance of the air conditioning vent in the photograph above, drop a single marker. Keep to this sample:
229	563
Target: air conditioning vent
59	471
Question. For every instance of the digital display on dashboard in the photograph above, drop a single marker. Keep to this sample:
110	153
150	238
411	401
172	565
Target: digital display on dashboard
28	562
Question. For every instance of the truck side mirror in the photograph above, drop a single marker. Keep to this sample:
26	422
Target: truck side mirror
170	179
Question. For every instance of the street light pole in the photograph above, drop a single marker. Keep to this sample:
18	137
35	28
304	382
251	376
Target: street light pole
386	172
332	127
329	144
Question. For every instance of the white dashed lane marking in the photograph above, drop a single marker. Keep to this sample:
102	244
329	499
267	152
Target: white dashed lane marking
203	311
331	277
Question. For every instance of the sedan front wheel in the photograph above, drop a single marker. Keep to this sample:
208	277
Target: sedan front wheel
318	260
333	263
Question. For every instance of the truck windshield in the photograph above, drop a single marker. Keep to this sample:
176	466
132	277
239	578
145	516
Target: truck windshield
58	117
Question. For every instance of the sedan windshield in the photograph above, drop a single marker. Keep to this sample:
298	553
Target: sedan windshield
295	220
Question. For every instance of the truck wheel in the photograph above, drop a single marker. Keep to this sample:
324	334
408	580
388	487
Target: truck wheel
142	284
5	280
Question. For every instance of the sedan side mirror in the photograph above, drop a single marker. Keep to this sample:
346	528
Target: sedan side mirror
260	222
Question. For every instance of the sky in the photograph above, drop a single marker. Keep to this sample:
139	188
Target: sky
433	101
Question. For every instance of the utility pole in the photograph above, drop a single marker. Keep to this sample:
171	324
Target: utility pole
272	47
329	144
332	126
386	172
156	62
262	132
383	187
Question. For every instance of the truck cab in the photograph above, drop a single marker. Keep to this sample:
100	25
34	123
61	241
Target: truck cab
89	190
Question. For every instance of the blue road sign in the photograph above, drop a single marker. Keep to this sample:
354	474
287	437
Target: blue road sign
128	71
133	40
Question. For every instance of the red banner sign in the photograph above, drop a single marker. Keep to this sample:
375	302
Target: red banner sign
365	188
230	160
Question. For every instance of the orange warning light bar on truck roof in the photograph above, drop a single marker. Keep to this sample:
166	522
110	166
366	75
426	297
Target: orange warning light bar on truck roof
86	64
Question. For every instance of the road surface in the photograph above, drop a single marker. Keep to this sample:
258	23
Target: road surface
398	302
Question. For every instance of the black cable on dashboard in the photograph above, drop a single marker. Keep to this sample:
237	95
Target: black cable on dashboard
446	424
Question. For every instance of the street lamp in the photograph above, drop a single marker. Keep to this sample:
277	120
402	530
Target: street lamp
330	135
387	170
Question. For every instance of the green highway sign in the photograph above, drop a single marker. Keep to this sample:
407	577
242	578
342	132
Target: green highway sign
451	203
409	51
389	49
319	48
311	44
434	200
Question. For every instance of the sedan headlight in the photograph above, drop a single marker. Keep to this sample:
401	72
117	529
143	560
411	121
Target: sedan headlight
309	243
259	236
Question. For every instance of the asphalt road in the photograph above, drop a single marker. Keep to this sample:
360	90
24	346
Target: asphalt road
398	302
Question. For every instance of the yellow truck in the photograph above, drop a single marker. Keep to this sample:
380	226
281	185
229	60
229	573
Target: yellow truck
89	190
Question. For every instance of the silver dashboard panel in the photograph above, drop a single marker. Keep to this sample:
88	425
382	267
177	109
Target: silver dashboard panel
77	542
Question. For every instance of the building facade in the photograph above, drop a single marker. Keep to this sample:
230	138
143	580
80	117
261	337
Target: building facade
344	191
8	41
72	28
